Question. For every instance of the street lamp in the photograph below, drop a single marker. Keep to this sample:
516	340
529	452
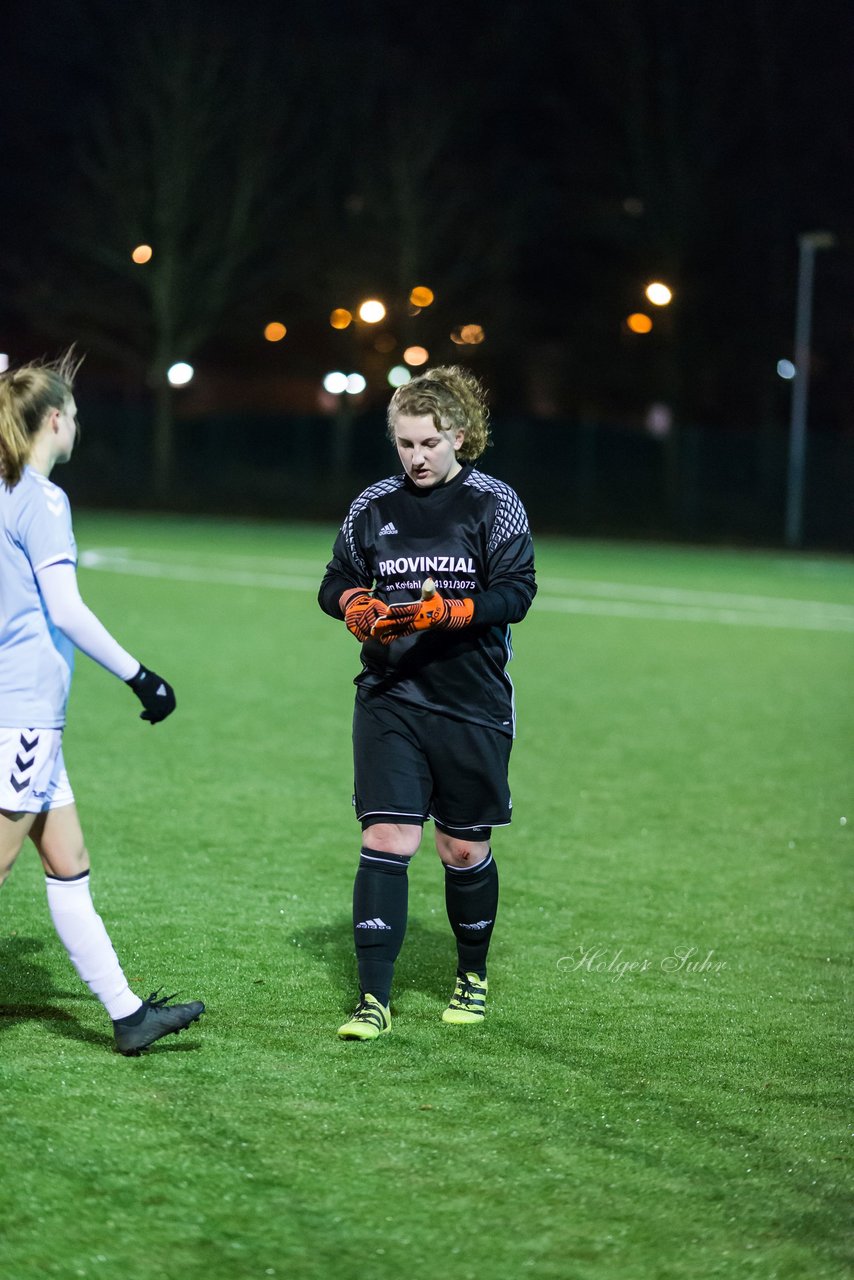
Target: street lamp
659	294
180	374
335	383
372	311
809	242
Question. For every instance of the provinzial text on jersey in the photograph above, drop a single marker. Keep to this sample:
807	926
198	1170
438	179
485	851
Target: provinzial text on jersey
427	564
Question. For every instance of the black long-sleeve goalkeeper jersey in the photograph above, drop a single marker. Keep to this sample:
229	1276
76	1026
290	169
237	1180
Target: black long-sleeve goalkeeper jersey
471	536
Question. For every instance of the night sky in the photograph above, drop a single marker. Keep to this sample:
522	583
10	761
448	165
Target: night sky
536	166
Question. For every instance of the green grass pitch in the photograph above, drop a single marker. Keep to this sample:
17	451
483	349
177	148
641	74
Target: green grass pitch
658	1092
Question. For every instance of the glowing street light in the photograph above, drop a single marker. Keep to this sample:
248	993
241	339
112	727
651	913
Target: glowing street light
372	311
340	318
638	322
180	374
335	383
398	376
421	296
416	355
468	335
142	253
786	370
274	331
658	294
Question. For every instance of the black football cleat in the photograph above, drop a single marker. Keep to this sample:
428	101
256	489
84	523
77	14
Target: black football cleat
155	1019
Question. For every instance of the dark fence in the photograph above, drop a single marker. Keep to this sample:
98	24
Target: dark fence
575	477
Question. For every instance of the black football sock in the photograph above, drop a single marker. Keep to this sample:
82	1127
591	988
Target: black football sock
471	897
380	900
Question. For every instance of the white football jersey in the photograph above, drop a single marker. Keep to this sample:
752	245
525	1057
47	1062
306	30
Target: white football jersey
36	659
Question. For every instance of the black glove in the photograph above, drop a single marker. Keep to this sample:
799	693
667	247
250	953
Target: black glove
154	693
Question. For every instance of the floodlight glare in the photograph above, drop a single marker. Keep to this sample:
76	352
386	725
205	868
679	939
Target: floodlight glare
638	322
180	374
335	383
659	294
372	311
355	384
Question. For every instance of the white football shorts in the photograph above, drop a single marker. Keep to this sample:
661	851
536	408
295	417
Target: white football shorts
32	771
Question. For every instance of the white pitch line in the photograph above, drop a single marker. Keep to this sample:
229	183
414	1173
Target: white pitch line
669	604
693	613
196	573
95	556
688	596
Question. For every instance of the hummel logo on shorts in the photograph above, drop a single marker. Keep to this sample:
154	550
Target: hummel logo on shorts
387	529
376	923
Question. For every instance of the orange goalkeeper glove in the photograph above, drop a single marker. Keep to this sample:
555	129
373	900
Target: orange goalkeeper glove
361	611
423	615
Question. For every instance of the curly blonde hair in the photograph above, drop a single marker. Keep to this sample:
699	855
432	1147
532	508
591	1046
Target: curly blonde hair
454	399
26	395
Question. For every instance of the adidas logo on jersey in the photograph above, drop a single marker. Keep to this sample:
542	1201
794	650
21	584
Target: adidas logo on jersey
376	923
388	529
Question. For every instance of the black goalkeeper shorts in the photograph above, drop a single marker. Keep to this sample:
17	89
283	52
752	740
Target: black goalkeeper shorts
411	764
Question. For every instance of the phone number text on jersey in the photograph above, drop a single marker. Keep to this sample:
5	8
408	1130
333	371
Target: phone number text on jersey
442	584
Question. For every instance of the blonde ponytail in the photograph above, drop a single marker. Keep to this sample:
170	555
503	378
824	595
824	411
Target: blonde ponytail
14	441
26	395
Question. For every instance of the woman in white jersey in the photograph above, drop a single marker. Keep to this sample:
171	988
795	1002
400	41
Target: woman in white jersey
42	621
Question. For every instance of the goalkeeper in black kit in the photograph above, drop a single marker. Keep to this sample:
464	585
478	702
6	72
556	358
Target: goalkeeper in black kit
428	571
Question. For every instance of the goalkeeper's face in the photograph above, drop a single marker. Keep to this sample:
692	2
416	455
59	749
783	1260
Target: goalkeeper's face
429	456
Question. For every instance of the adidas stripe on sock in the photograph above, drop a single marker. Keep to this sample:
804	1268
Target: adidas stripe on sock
471	900
380	905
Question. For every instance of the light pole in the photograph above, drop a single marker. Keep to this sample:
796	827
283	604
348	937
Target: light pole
809	242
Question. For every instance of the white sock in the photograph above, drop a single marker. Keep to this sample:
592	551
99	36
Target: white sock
82	933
